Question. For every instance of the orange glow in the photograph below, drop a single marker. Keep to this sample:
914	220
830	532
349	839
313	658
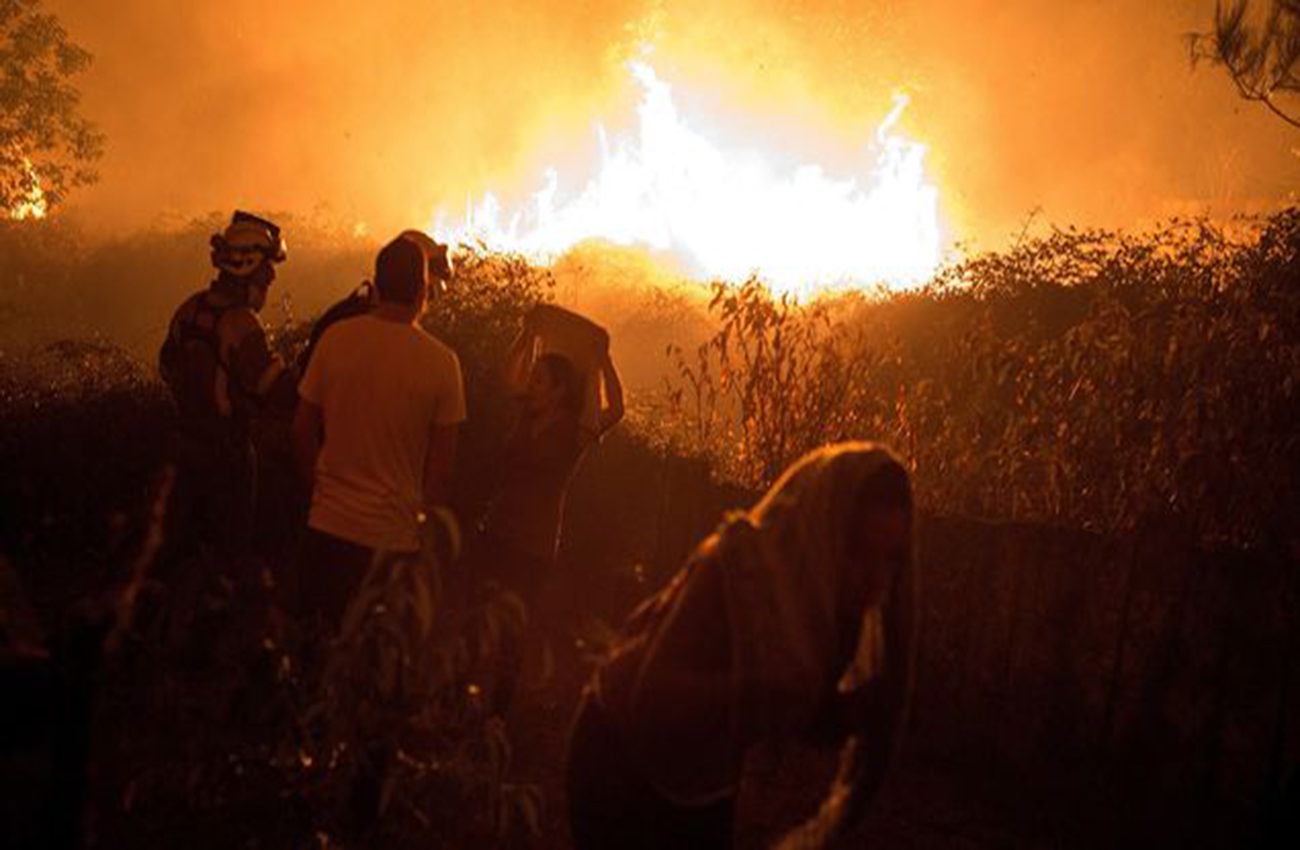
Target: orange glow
33	204
729	213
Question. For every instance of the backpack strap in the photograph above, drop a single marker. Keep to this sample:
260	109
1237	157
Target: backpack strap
190	330
202	328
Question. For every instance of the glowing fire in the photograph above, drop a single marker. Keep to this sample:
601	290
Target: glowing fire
729	212
32	203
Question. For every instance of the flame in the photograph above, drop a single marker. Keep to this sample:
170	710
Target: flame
31	204
730	213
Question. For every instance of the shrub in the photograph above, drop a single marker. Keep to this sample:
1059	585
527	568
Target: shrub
399	711
1086	378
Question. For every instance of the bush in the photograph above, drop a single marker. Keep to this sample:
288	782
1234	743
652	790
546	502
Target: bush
83	433
399	713
1086	378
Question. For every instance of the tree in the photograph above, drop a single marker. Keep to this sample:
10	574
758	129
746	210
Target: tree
1260	51
47	147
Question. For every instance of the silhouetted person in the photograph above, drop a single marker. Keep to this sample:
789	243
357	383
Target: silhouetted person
793	620
375	432
520	532
222	375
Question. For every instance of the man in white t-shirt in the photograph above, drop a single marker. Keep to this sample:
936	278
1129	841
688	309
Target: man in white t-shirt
375	429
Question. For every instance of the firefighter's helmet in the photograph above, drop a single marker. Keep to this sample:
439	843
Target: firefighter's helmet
247	243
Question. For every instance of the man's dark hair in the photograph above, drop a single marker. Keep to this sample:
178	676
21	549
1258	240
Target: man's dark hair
401	272
572	385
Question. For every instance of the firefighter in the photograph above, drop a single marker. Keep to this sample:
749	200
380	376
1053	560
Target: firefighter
222	374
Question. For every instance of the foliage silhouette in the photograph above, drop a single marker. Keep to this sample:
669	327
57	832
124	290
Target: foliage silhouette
1261	59
46	145
1085	378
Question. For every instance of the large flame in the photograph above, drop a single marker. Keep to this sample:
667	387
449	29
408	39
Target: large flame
730	213
32	203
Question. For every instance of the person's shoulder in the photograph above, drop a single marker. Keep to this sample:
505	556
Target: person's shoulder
188	307
352	306
434	347
241	320
341	328
355	336
429	340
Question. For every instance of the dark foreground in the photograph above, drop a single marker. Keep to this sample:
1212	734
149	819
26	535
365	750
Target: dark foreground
1072	689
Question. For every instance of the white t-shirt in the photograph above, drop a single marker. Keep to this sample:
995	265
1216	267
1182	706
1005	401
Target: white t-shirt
382	387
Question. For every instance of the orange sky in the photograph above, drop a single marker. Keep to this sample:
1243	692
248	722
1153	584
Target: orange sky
382	112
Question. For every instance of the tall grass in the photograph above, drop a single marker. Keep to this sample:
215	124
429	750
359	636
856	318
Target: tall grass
1085	378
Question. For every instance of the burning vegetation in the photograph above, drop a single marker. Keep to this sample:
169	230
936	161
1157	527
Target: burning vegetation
726	211
1096	428
29	202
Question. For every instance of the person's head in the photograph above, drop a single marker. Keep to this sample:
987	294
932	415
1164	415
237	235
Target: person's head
880	535
401	274
441	269
841	518
245	254
555	386
818	557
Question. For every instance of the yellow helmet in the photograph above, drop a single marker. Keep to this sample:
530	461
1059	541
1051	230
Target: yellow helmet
246	244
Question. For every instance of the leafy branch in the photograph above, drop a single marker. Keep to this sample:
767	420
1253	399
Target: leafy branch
1260	57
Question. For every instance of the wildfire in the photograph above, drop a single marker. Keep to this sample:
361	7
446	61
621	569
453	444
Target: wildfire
730	213
31	203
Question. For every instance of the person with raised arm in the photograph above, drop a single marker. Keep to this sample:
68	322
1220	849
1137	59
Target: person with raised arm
570	395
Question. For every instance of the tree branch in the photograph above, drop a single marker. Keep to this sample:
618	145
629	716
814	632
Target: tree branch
1260	63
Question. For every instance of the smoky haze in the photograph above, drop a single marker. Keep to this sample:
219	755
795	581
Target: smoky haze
383	113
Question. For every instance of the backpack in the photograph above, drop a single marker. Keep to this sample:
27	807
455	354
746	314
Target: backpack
190	358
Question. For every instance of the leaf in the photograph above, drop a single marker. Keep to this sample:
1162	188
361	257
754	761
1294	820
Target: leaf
423	598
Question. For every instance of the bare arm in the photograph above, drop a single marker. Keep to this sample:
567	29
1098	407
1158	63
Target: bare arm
257	369
439	465
612	411
308	434
875	716
515	369
887	715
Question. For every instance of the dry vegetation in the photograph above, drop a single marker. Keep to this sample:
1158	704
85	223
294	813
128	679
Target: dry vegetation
1084	379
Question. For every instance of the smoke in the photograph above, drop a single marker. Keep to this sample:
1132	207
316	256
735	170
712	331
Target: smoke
369	112
383	113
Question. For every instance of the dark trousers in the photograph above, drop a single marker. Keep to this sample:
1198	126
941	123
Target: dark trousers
214	497
612	806
328	573
206	534
329	570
